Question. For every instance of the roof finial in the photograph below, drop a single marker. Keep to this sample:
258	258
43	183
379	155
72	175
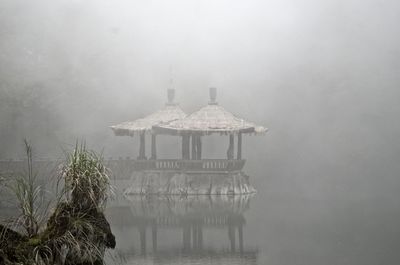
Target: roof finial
213	96
171	96
171	77
171	89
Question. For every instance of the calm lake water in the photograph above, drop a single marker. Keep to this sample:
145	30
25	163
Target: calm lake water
271	227
261	229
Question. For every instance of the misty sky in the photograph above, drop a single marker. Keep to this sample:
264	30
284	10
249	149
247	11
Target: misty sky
323	76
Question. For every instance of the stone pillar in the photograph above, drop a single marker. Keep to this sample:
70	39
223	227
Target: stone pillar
153	147
198	147
186	147
231	149
239	148
194	152
142	147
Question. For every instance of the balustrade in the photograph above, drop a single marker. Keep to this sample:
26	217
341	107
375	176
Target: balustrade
189	165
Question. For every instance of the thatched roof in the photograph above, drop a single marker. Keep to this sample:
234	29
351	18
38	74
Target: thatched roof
167	114
209	119
170	112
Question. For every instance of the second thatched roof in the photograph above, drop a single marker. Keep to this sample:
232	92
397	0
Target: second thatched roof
209	119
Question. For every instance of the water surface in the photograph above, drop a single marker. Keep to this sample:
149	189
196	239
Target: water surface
274	227
260	229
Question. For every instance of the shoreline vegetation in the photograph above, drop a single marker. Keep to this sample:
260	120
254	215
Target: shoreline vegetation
77	232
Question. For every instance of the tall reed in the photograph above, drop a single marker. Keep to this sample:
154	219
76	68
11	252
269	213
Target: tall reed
28	195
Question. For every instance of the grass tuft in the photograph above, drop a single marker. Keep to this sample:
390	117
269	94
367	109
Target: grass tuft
87	181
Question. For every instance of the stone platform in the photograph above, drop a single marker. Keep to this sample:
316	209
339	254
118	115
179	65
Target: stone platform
180	183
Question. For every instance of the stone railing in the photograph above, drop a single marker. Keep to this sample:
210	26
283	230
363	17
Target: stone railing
204	165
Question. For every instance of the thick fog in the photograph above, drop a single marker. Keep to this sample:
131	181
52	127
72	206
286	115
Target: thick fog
323	76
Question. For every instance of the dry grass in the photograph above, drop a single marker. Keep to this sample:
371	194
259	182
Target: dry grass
87	180
30	203
77	231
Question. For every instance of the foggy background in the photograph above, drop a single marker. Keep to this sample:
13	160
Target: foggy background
321	75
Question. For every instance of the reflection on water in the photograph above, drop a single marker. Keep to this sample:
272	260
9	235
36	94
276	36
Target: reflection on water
281	227
175	230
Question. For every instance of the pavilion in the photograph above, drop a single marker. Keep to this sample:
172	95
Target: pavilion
144	126
211	119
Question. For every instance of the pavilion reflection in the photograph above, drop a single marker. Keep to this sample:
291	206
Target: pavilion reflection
193	222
